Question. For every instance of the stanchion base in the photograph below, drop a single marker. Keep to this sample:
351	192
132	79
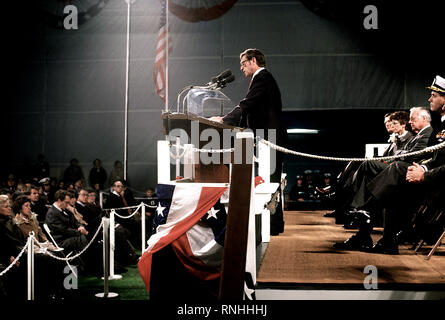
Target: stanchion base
115	277
110	295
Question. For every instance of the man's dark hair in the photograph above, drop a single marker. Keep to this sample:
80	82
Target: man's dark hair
16	194
72	194
118	180
60	195
5	191
251	53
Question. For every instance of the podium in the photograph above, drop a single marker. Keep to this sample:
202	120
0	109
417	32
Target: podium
194	126
236	168
199	130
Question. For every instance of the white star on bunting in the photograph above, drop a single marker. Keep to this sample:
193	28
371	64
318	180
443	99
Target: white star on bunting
212	213
159	210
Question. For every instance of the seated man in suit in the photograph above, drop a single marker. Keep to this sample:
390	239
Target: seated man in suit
400	186
419	120
92	213
65	229
395	124
37	205
132	227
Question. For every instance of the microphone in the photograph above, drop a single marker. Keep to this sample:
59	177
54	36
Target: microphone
220	77
221	84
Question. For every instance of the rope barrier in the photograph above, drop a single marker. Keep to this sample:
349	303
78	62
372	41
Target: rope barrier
16	259
132	207
121	208
199	150
307	155
78	254
131	215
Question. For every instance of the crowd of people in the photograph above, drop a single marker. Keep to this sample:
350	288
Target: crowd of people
64	217
310	191
405	195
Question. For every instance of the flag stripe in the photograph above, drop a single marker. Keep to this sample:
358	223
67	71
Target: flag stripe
193	264
159	69
180	219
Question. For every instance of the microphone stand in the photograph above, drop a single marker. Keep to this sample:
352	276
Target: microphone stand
213	86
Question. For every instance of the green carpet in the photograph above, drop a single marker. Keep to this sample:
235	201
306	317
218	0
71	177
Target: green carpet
130	287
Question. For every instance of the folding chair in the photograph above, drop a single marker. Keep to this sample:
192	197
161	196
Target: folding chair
436	219
48	231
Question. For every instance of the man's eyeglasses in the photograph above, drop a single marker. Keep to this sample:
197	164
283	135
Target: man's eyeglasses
243	62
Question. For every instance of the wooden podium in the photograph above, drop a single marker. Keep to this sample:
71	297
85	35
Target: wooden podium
194	125
233	267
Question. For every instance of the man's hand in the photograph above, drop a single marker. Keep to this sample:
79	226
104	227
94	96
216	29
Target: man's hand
82	230
415	173
216	119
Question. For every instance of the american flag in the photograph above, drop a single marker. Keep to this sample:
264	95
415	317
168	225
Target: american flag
159	70
191	218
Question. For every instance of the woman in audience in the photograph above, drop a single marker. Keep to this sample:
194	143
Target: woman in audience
26	220
47	270
12	242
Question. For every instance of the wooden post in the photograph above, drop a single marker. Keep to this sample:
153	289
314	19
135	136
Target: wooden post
235	244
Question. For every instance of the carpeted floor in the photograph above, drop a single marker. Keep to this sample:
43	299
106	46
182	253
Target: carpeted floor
303	255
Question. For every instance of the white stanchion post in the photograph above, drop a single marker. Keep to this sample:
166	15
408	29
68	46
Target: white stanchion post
112	247
106	243
163	161
178	160
31	266
101	199
264	162
189	163
143	226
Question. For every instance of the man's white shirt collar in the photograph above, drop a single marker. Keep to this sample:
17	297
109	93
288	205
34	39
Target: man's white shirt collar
57	207
258	71
114	191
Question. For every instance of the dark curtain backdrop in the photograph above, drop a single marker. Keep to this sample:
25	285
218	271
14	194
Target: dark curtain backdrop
66	88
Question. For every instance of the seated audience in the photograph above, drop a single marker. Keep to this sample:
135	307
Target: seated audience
12	242
399	188
48	272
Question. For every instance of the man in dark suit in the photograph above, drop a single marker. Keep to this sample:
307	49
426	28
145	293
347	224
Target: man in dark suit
260	111
65	229
131	226
420	120
345	179
401	186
